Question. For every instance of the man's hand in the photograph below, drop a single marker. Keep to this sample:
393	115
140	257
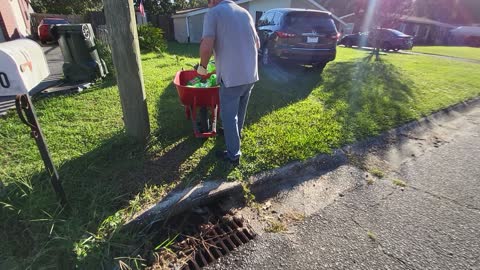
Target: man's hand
206	50
201	70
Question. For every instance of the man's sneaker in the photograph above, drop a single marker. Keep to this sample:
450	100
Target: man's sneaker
222	155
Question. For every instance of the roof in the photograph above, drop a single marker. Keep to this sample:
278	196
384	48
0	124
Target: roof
423	20
408	18
197	11
188	10
467	30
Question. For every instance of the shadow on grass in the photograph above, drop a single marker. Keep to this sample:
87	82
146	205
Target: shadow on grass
36	233
281	85
370	96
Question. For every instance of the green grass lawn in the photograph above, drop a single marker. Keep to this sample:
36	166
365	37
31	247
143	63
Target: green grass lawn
462	52
294	114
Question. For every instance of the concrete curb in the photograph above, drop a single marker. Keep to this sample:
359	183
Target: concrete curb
261	185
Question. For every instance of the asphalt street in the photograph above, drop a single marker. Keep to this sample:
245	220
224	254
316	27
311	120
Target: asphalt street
423	214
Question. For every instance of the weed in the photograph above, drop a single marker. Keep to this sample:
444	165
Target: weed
294	216
167	243
399	183
377	172
276	227
371	235
249	196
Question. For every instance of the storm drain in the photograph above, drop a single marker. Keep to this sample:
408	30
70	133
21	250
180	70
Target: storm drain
212	242
218	240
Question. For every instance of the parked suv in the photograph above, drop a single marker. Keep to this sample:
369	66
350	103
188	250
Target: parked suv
297	35
387	39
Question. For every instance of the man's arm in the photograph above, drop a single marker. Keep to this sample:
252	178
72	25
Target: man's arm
255	35
206	50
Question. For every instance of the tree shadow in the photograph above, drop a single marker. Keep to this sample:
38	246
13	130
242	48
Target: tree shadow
374	95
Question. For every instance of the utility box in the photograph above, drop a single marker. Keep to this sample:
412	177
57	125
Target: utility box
82	62
22	67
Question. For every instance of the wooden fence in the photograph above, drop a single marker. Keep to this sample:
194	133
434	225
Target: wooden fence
165	23
98	22
102	34
36	18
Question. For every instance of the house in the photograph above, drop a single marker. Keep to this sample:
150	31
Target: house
14	19
425	31
465	35
188	24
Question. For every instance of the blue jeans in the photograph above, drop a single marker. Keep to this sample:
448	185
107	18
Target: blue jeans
233	108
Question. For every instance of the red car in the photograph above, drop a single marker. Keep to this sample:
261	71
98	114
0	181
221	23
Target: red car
44	28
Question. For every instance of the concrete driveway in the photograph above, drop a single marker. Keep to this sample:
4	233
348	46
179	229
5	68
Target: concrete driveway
55	63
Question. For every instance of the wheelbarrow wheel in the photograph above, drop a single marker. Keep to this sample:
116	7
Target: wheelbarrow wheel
204	120
188	111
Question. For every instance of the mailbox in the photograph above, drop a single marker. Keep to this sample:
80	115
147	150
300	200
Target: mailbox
22	67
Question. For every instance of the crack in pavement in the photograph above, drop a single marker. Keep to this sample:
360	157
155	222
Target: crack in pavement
394	257
381	247
444	198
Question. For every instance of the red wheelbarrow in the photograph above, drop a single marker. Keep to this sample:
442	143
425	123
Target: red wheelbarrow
198	98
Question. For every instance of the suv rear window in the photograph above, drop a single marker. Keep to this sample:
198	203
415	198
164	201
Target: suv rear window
309	21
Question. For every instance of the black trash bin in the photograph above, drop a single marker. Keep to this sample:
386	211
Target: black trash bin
82	62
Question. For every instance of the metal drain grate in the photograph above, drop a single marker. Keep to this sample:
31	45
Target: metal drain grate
216	241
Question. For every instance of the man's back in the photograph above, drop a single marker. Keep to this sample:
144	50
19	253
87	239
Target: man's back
235	43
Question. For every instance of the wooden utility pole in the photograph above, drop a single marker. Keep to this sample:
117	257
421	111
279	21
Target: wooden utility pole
122	28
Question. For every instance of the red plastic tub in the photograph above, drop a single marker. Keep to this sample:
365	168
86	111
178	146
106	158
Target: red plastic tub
194	98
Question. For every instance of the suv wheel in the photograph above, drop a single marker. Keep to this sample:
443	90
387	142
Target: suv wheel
349	43
386	47
319	66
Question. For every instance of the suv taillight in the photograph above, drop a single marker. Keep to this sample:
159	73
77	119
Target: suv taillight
335	36
285	35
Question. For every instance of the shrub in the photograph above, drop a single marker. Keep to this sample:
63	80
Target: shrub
151	39
105	53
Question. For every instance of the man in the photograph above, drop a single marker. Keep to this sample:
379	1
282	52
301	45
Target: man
229	32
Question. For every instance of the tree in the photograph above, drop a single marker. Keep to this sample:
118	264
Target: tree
198	3
157	7
450	11
66	7
186	4
382	13
168	7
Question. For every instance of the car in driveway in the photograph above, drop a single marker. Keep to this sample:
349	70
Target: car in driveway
297	35
387	39
44	28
